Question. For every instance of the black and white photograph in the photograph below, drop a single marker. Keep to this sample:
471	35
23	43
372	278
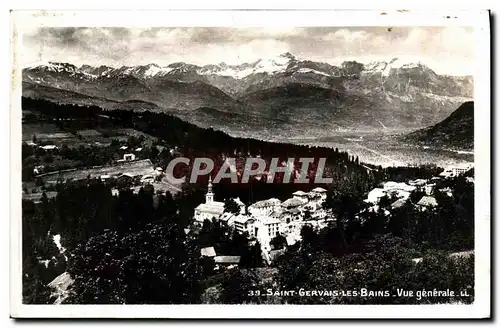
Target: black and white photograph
340	162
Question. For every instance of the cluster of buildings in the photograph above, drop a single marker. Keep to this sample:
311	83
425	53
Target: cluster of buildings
399	192
455	171
266	219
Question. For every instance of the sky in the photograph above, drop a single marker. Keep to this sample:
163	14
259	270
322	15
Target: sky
446	50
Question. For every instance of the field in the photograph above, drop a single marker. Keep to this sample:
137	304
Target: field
36	197
78	133
43	131
387	150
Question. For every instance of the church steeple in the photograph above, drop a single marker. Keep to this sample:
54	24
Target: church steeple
209	196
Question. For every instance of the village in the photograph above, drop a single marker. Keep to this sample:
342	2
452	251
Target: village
267	219
262	222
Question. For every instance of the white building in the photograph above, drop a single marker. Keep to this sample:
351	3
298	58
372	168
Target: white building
210	209
49	147
299	194
264	207
429	188
227	218
271	226
318	192
129	157
455	171
244	223
293	203
390	188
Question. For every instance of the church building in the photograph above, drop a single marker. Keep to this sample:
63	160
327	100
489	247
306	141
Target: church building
210	209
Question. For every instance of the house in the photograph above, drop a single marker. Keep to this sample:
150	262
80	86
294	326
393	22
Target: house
455	171
427	202
105	177
399	203
318	192
244	223
293	202
417	182
49	147
38	169
264	207
227	218
208	252
123	147
147	179
226	261
390	189
429	188
129	157
210	209
398	189
271	226
313	206
446	191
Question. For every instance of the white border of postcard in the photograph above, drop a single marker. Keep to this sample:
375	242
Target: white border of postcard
24	20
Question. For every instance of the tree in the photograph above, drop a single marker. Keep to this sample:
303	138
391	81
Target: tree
385	264
48	158
155	266
237	287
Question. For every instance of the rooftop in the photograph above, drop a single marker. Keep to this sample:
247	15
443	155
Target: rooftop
400	202
427	201
208	252
266	203
241	218
319	190
225	259
212	208
270	220
226	216
292	202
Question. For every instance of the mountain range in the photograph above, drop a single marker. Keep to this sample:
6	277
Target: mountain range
291	96
456	131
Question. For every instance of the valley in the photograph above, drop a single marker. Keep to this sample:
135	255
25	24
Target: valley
280	99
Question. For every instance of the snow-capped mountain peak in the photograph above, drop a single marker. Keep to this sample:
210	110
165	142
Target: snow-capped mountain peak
55	67
385	67
271	65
